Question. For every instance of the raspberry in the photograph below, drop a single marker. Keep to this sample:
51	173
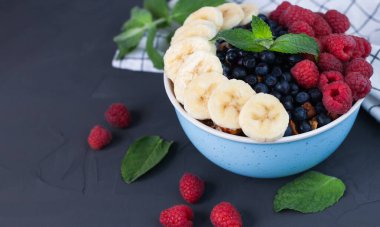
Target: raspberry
320	26
225	215
367	47
118	115
338	21
191	187
328	62
329	77
360	65
359	50
177	216
337	97
99	137
360	85
299	27
306	74
275	15
296	13
340	45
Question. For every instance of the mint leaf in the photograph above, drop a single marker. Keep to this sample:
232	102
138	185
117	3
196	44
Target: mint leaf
158	8
143	155
309	193
154	55
128	40
240	38
183	8
295	43
139	18
260	29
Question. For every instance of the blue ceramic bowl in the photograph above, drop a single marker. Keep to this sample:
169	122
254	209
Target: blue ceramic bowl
244	156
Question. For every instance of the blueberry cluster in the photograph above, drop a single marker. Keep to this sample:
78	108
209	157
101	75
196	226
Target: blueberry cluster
269	72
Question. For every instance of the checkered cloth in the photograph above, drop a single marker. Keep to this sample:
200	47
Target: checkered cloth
365	21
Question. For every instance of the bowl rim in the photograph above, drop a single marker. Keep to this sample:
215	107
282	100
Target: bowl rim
241	139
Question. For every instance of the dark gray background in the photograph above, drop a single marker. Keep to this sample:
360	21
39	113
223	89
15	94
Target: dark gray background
56	81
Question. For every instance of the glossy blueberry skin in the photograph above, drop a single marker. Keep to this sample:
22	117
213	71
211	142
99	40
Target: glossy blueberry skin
315	95
249	62
288	131
294	59
261	88
276	71
287	76
239	72
302	97
288	105
262	69
251	80
267	57
282	87
319	108
299	114
323	119
294	89
276	94
232	56
270	81
226	70
304	126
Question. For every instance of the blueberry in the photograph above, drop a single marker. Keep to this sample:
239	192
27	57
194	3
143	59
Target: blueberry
261	88
276	94
276	71
226	70
263	17
320	108
287	76
302	97
242	53
288	105
294	89
304	127
261	69
287	98
251	80
282	87
232	56
249	62
267	57
272	24
221	56
282	32
315	95
299	114
270	81
323	120
239	72
288	131
294	59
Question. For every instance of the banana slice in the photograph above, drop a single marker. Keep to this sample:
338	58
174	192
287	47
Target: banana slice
263	118
176	54
226	102
196	64
199	28
198	92
232	15
249	10
206	13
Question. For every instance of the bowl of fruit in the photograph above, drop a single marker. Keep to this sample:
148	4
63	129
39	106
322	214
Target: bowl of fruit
270	95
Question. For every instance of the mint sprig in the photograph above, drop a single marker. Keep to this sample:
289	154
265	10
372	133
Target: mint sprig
261	38
155	14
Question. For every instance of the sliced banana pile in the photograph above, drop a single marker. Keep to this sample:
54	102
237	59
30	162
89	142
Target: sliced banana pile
197	74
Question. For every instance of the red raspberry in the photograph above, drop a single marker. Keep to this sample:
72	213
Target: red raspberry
367	47
99	137
329	77
275	15
299	27
320	26
340	45
177	216
118	115
296	13
338	21
191	187
360	65
360	85
306	74
337	97
225	215
328	62
359	50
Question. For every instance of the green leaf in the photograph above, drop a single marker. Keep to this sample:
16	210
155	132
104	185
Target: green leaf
158	8
241	38
154	55
142	156
183	8
128	40
295	43
309	193
139	18
260	29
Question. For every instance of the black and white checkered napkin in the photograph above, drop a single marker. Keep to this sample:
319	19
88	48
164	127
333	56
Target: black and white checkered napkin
365	21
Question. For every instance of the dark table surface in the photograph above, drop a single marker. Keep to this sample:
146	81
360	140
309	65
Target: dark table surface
56	81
